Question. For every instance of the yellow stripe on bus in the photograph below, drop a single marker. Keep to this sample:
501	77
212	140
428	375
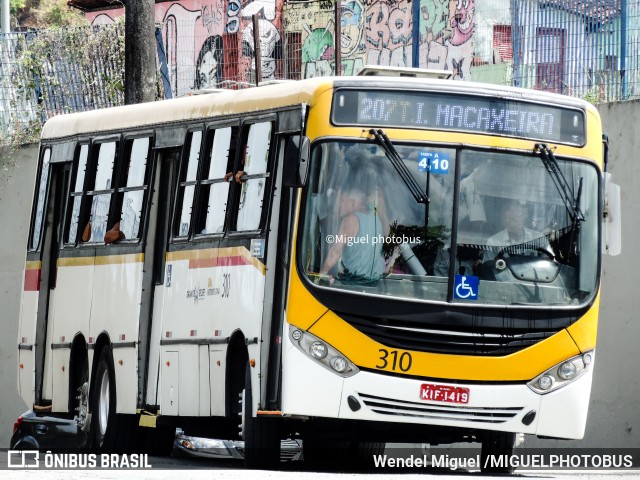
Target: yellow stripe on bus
120	259
101	260
76	261
220	254
33	265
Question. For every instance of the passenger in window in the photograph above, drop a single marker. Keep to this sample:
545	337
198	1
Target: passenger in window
237	177
240	173
356	251
114	235
86	233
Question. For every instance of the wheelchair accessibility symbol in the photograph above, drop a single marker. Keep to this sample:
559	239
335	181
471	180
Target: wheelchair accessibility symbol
465	287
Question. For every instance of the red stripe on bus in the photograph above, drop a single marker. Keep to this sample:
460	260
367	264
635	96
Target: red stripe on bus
232	261
32	280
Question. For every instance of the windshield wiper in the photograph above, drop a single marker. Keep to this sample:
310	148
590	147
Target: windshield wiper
405	174
560	181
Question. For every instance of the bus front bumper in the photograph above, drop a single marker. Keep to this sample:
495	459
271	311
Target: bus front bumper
311	390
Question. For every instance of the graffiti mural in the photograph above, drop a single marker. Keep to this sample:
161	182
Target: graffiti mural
315	23
462	21
211	43
318	52
353	47
446	35
103	19
180	25
270	47
268	13
389	33
434	21
209	63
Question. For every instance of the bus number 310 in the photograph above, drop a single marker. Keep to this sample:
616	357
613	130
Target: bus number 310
394	360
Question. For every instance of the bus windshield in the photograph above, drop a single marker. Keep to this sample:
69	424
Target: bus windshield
497	229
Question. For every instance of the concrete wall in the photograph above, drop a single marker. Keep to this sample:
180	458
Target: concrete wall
614	412
17	175
614	418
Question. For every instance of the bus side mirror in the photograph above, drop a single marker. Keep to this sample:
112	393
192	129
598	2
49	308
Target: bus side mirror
296	161
611	221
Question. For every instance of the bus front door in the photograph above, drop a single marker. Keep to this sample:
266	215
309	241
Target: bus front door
55	206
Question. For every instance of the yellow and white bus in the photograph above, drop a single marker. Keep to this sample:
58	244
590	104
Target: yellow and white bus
354	260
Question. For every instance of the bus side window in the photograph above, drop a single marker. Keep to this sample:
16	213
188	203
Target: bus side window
187	185
101	191
77	194
215	187
42	194
133	186
255	168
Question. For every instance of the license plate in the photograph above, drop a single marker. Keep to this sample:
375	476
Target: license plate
444	393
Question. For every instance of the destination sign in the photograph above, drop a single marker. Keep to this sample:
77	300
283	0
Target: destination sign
465	113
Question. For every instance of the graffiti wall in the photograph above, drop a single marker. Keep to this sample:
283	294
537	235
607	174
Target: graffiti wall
211	43
380	32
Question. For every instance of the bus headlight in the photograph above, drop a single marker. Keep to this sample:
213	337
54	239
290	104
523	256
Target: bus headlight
318	350
545	382
562	374
567	371
339	364
322	352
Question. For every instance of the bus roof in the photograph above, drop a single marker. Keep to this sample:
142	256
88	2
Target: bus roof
272	96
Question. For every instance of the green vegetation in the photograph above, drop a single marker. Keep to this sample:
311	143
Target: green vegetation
45	14
59	70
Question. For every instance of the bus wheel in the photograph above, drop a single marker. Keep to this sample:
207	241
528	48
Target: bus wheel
157	441
111	431
364	453
261	435
496	446
323	452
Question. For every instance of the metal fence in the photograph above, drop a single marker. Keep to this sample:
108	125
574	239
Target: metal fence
46	73
584	48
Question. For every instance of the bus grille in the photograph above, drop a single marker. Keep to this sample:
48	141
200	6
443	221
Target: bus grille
450	339
449	412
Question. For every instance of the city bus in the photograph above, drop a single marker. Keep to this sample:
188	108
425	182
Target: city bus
352	261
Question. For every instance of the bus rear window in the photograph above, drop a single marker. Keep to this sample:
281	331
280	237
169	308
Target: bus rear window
42	195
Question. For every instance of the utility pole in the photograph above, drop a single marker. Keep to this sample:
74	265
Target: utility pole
337	40
139	52
5	12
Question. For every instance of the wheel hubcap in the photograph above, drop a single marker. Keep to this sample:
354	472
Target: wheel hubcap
103	405
241	415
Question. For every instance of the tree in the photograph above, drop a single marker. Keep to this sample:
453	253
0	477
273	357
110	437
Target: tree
15	6
140	56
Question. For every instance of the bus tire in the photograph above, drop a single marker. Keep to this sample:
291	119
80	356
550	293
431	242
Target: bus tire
261	435
157	441
496	444
112	432
364	453
324	452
